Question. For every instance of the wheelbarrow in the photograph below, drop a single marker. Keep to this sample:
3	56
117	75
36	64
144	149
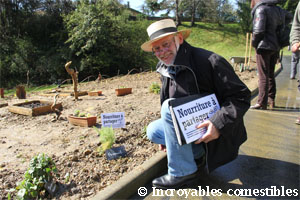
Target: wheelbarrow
239	61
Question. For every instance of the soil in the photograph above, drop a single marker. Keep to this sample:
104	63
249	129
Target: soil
74	148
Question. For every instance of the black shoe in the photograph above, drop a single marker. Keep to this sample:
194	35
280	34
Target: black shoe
171	182
258	106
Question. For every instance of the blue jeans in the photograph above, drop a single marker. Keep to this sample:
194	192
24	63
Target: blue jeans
180	158
294	63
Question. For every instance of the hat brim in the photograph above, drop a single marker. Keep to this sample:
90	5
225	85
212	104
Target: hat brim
147	46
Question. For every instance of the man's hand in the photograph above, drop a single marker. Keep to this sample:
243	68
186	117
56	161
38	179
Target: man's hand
212	132
162	147
295	47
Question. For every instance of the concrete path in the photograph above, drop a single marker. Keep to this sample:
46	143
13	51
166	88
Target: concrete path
268	164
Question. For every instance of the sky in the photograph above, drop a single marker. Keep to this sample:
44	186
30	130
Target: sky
136	4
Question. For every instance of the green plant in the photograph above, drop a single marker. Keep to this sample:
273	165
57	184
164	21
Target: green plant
144	132
155	88
77	113
41	171
107	138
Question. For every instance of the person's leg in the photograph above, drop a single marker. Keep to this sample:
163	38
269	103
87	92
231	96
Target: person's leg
155	132
262	60
182	168
294	62
297	63
272	82
180	158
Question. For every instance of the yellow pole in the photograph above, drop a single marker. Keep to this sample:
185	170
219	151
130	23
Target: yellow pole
250	50
247	35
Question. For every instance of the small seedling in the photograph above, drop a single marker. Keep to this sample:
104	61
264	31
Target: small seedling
77	113
107	138
144	132
154	88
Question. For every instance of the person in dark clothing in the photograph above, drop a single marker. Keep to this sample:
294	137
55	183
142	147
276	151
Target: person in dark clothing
186	70
267	17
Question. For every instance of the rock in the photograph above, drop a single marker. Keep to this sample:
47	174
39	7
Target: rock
76	150
87	152
75	190
116	168
96	177
7	184
2	165
74	158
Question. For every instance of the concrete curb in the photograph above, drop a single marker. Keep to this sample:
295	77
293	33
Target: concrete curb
129	184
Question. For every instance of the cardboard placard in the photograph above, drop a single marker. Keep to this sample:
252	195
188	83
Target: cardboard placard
114	120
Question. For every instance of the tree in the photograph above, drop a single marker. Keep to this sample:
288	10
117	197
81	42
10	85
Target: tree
244	15
289	5
31	35
102	38
151	7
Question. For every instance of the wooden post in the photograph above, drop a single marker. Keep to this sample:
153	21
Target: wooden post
2	92
20	92
74	76
246	53
250	42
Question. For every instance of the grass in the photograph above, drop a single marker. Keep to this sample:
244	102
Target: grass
8	92
227	40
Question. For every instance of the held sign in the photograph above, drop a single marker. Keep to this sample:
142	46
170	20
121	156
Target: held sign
114	120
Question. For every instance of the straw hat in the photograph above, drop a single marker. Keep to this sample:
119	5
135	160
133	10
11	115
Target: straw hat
160	29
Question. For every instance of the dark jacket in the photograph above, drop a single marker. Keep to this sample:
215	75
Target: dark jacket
202	71
267	17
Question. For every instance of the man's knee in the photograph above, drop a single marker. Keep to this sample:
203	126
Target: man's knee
150	131
165	110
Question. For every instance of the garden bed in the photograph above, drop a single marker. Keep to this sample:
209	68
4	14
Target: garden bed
74	148
33	108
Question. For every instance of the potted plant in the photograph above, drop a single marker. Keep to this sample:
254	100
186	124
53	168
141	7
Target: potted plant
82	119
95	93
123	91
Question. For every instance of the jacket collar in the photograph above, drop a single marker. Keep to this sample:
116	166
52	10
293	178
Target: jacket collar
183	54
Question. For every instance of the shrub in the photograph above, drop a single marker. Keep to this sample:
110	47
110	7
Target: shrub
41	171
107	138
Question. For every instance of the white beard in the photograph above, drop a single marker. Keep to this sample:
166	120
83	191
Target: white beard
177	48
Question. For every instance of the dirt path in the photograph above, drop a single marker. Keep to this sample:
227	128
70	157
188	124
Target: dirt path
73	148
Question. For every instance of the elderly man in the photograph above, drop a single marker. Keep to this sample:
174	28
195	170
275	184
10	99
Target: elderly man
186	70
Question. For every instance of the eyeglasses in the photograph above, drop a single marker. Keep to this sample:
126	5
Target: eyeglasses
164	47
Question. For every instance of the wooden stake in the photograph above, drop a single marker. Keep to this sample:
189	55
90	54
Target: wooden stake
247	35
249	59
74	76
1	93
